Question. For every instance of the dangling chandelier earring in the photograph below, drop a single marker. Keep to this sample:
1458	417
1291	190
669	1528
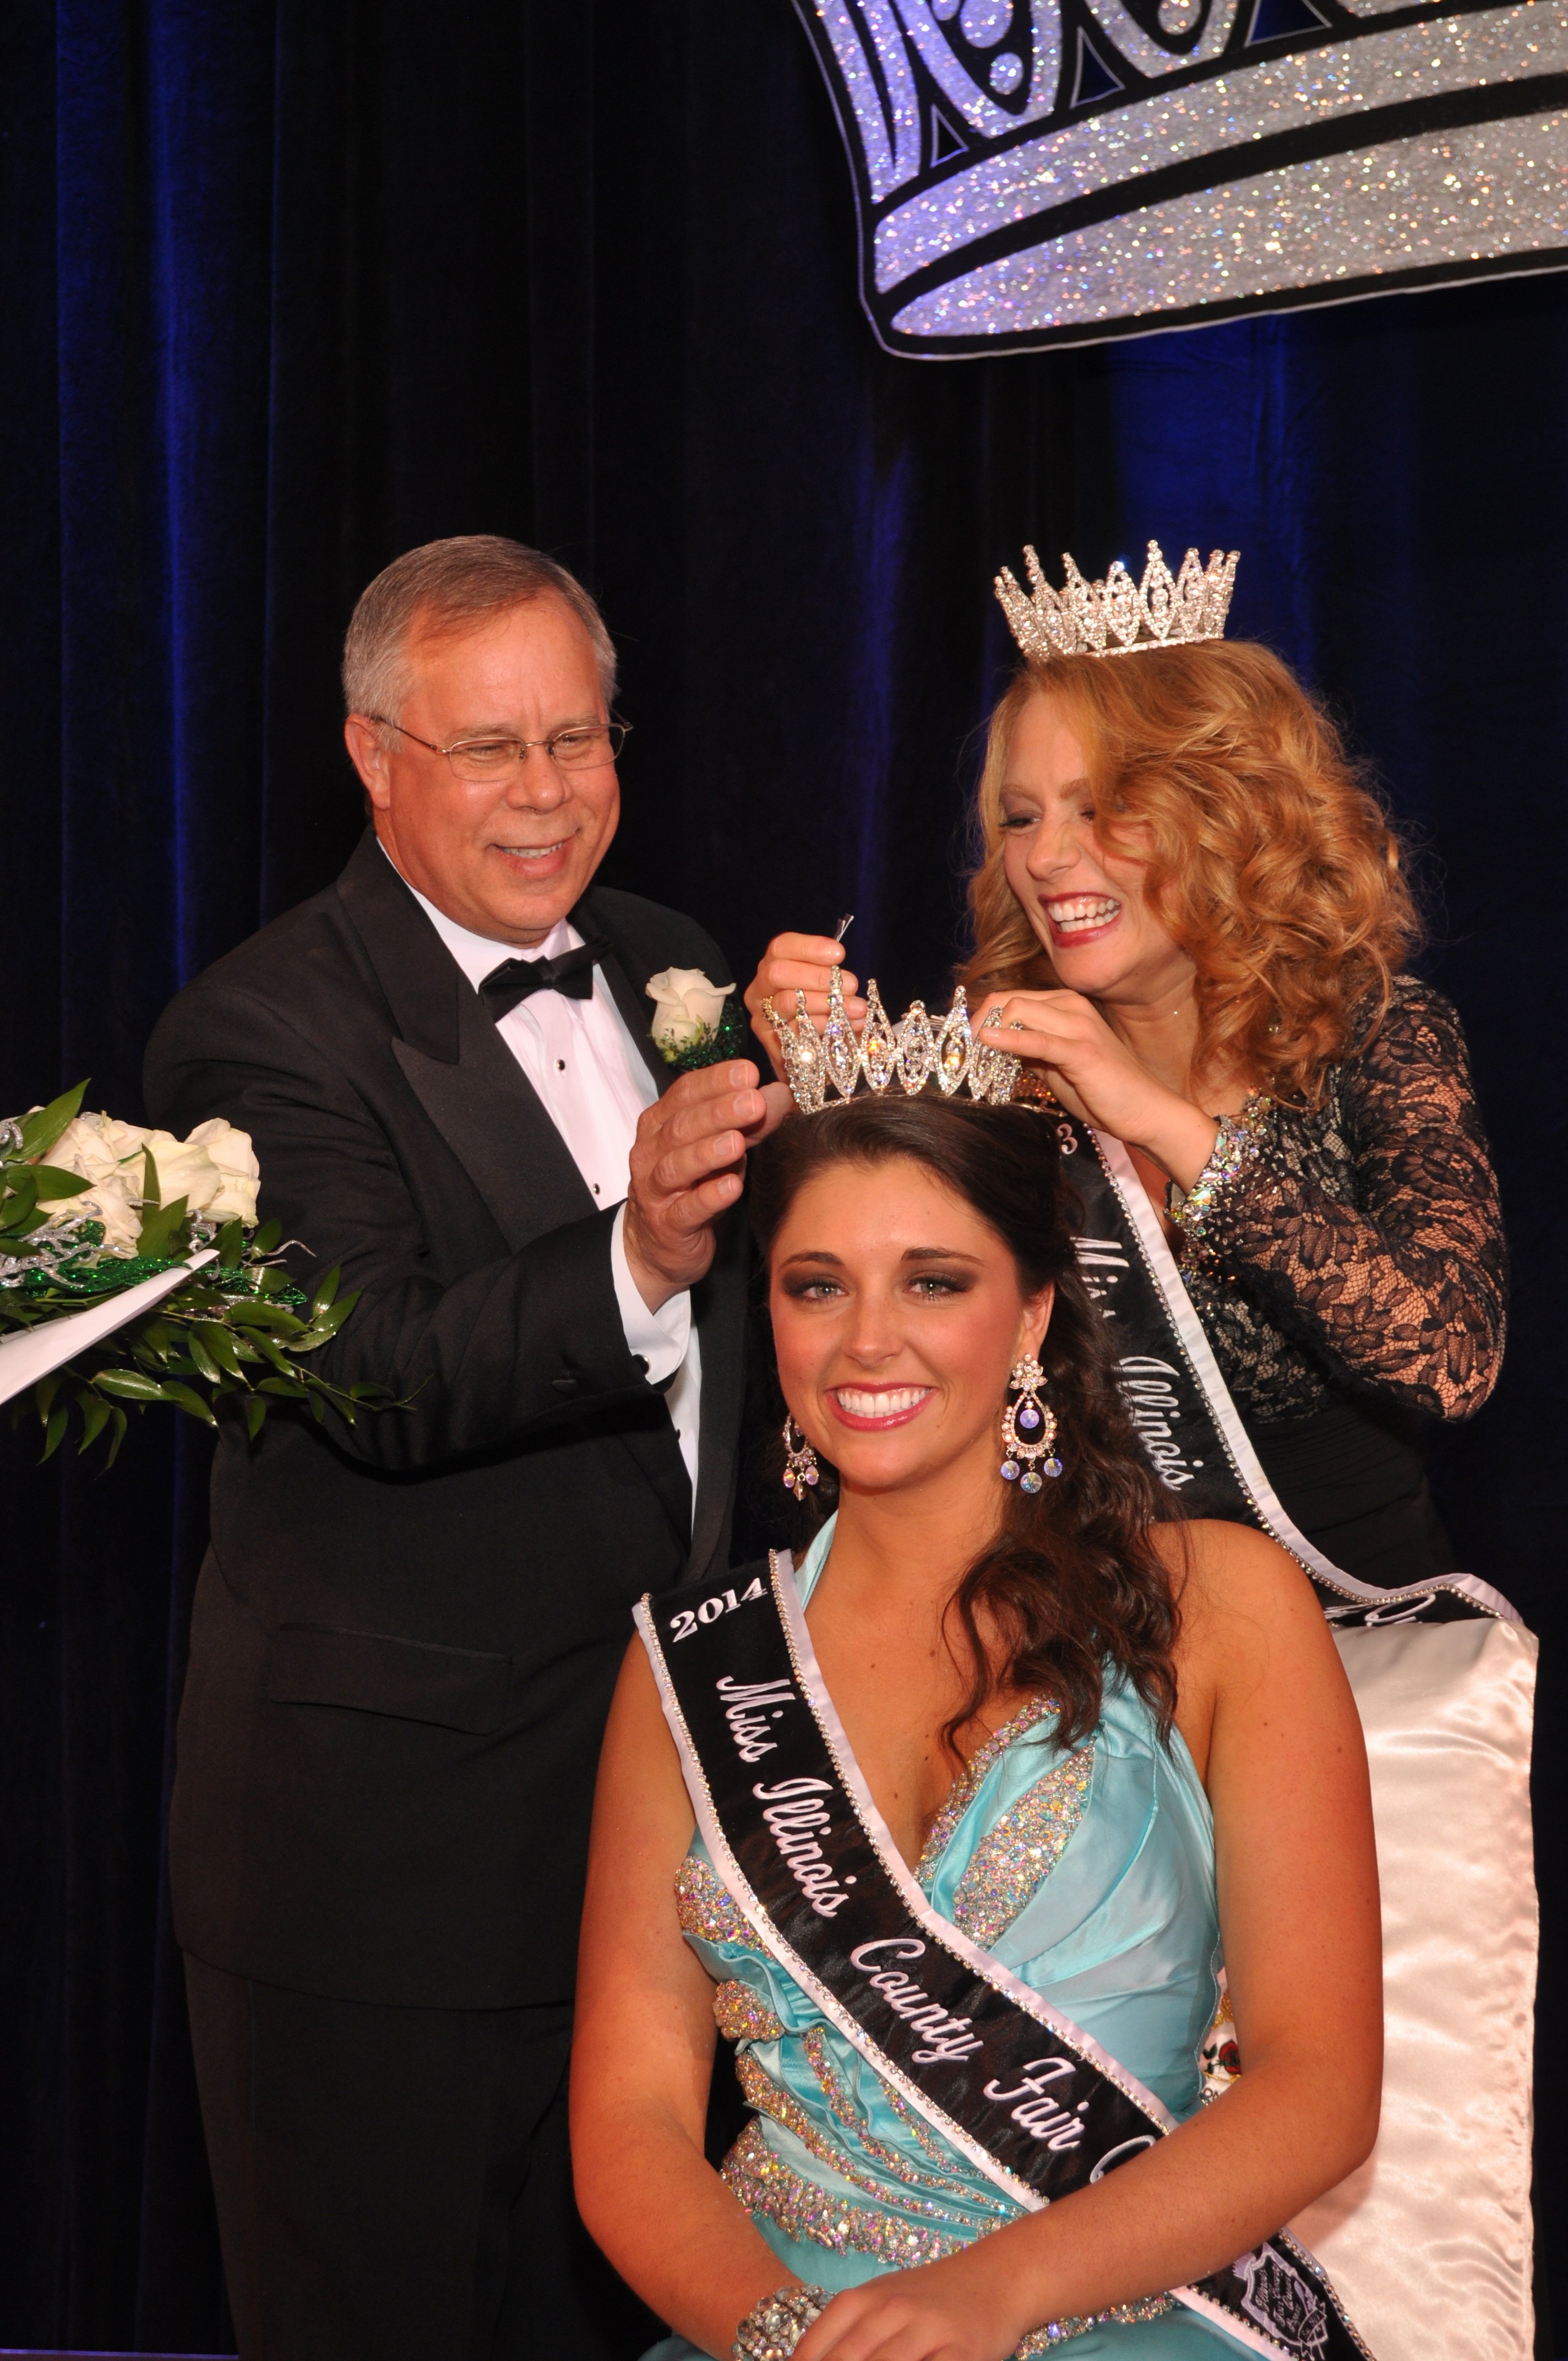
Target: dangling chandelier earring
1029	1430
800	1460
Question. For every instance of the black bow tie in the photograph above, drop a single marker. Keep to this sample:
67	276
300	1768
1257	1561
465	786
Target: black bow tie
515	979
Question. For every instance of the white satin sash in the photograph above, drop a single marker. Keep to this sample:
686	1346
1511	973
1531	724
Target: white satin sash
1430	2242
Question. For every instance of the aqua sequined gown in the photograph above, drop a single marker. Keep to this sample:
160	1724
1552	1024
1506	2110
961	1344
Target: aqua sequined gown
1092	1878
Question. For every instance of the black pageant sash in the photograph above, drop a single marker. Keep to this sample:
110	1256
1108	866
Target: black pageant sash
1032	2100
1181	1406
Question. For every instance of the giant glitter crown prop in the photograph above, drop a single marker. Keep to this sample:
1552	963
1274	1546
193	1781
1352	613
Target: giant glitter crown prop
912	1053
1035	173
1119	617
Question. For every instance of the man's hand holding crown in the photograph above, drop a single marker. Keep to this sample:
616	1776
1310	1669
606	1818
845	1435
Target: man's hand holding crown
688	1168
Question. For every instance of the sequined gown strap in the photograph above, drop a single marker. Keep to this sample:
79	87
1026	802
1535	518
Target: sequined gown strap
1364	1242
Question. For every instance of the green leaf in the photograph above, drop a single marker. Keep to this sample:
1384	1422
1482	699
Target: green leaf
120	1424
278	1358
95	1418
325	1292
53	1181
252	1313
20	1199
230	1243
54	1432
187	1399
267	1238
206	1366
220	1345
131	1385
292	1389
255	1417
43	1127
322	1330
160	1226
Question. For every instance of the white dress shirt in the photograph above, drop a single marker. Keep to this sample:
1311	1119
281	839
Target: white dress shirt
592	1081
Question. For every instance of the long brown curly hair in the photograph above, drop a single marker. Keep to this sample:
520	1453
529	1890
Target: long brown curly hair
1272	864
1072	1582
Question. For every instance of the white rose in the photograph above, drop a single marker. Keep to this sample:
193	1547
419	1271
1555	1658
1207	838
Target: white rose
215	1171
116	1202
126	1139
94	1146
684	1004
185	1170
107	1153
239	1173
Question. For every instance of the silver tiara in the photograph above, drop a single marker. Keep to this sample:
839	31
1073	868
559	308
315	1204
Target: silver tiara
910	1053
1120	617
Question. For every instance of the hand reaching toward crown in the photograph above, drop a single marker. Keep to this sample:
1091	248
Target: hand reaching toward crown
795	963
1098	1078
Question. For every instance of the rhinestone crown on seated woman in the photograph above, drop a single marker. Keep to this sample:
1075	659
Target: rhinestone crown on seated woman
1119	617
912	1053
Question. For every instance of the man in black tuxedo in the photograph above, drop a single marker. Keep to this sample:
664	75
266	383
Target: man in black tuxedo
407	1632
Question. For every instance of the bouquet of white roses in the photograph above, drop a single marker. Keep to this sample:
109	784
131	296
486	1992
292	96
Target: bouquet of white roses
132	1271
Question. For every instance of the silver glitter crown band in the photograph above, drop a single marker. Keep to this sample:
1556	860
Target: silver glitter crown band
1119	617
911	1053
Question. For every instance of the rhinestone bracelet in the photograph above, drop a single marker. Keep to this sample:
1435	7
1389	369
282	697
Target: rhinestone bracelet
771	2329
1236	1143
1121	2315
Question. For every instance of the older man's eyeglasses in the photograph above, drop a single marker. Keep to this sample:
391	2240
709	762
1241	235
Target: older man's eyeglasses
585	747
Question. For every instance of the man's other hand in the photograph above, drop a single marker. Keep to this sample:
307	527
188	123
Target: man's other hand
688	1164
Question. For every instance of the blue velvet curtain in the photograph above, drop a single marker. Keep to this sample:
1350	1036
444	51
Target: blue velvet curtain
289	285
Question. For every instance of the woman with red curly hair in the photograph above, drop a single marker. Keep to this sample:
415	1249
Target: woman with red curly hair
1190	915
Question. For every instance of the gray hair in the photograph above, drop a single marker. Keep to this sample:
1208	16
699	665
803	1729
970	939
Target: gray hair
440	588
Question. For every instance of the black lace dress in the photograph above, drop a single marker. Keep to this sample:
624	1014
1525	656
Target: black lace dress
1352	1279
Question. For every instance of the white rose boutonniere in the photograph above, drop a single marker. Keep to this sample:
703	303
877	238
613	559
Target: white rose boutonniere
692	1027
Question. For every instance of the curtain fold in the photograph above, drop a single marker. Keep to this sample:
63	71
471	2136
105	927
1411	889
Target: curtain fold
289	286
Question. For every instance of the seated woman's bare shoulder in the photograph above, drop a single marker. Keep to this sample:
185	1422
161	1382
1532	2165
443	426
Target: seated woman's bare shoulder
1250	1623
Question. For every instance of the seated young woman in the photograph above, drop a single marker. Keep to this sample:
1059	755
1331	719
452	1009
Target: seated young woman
1098	1755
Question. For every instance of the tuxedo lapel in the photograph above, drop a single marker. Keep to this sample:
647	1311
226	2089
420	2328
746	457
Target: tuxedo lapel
456	1064
490	1116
